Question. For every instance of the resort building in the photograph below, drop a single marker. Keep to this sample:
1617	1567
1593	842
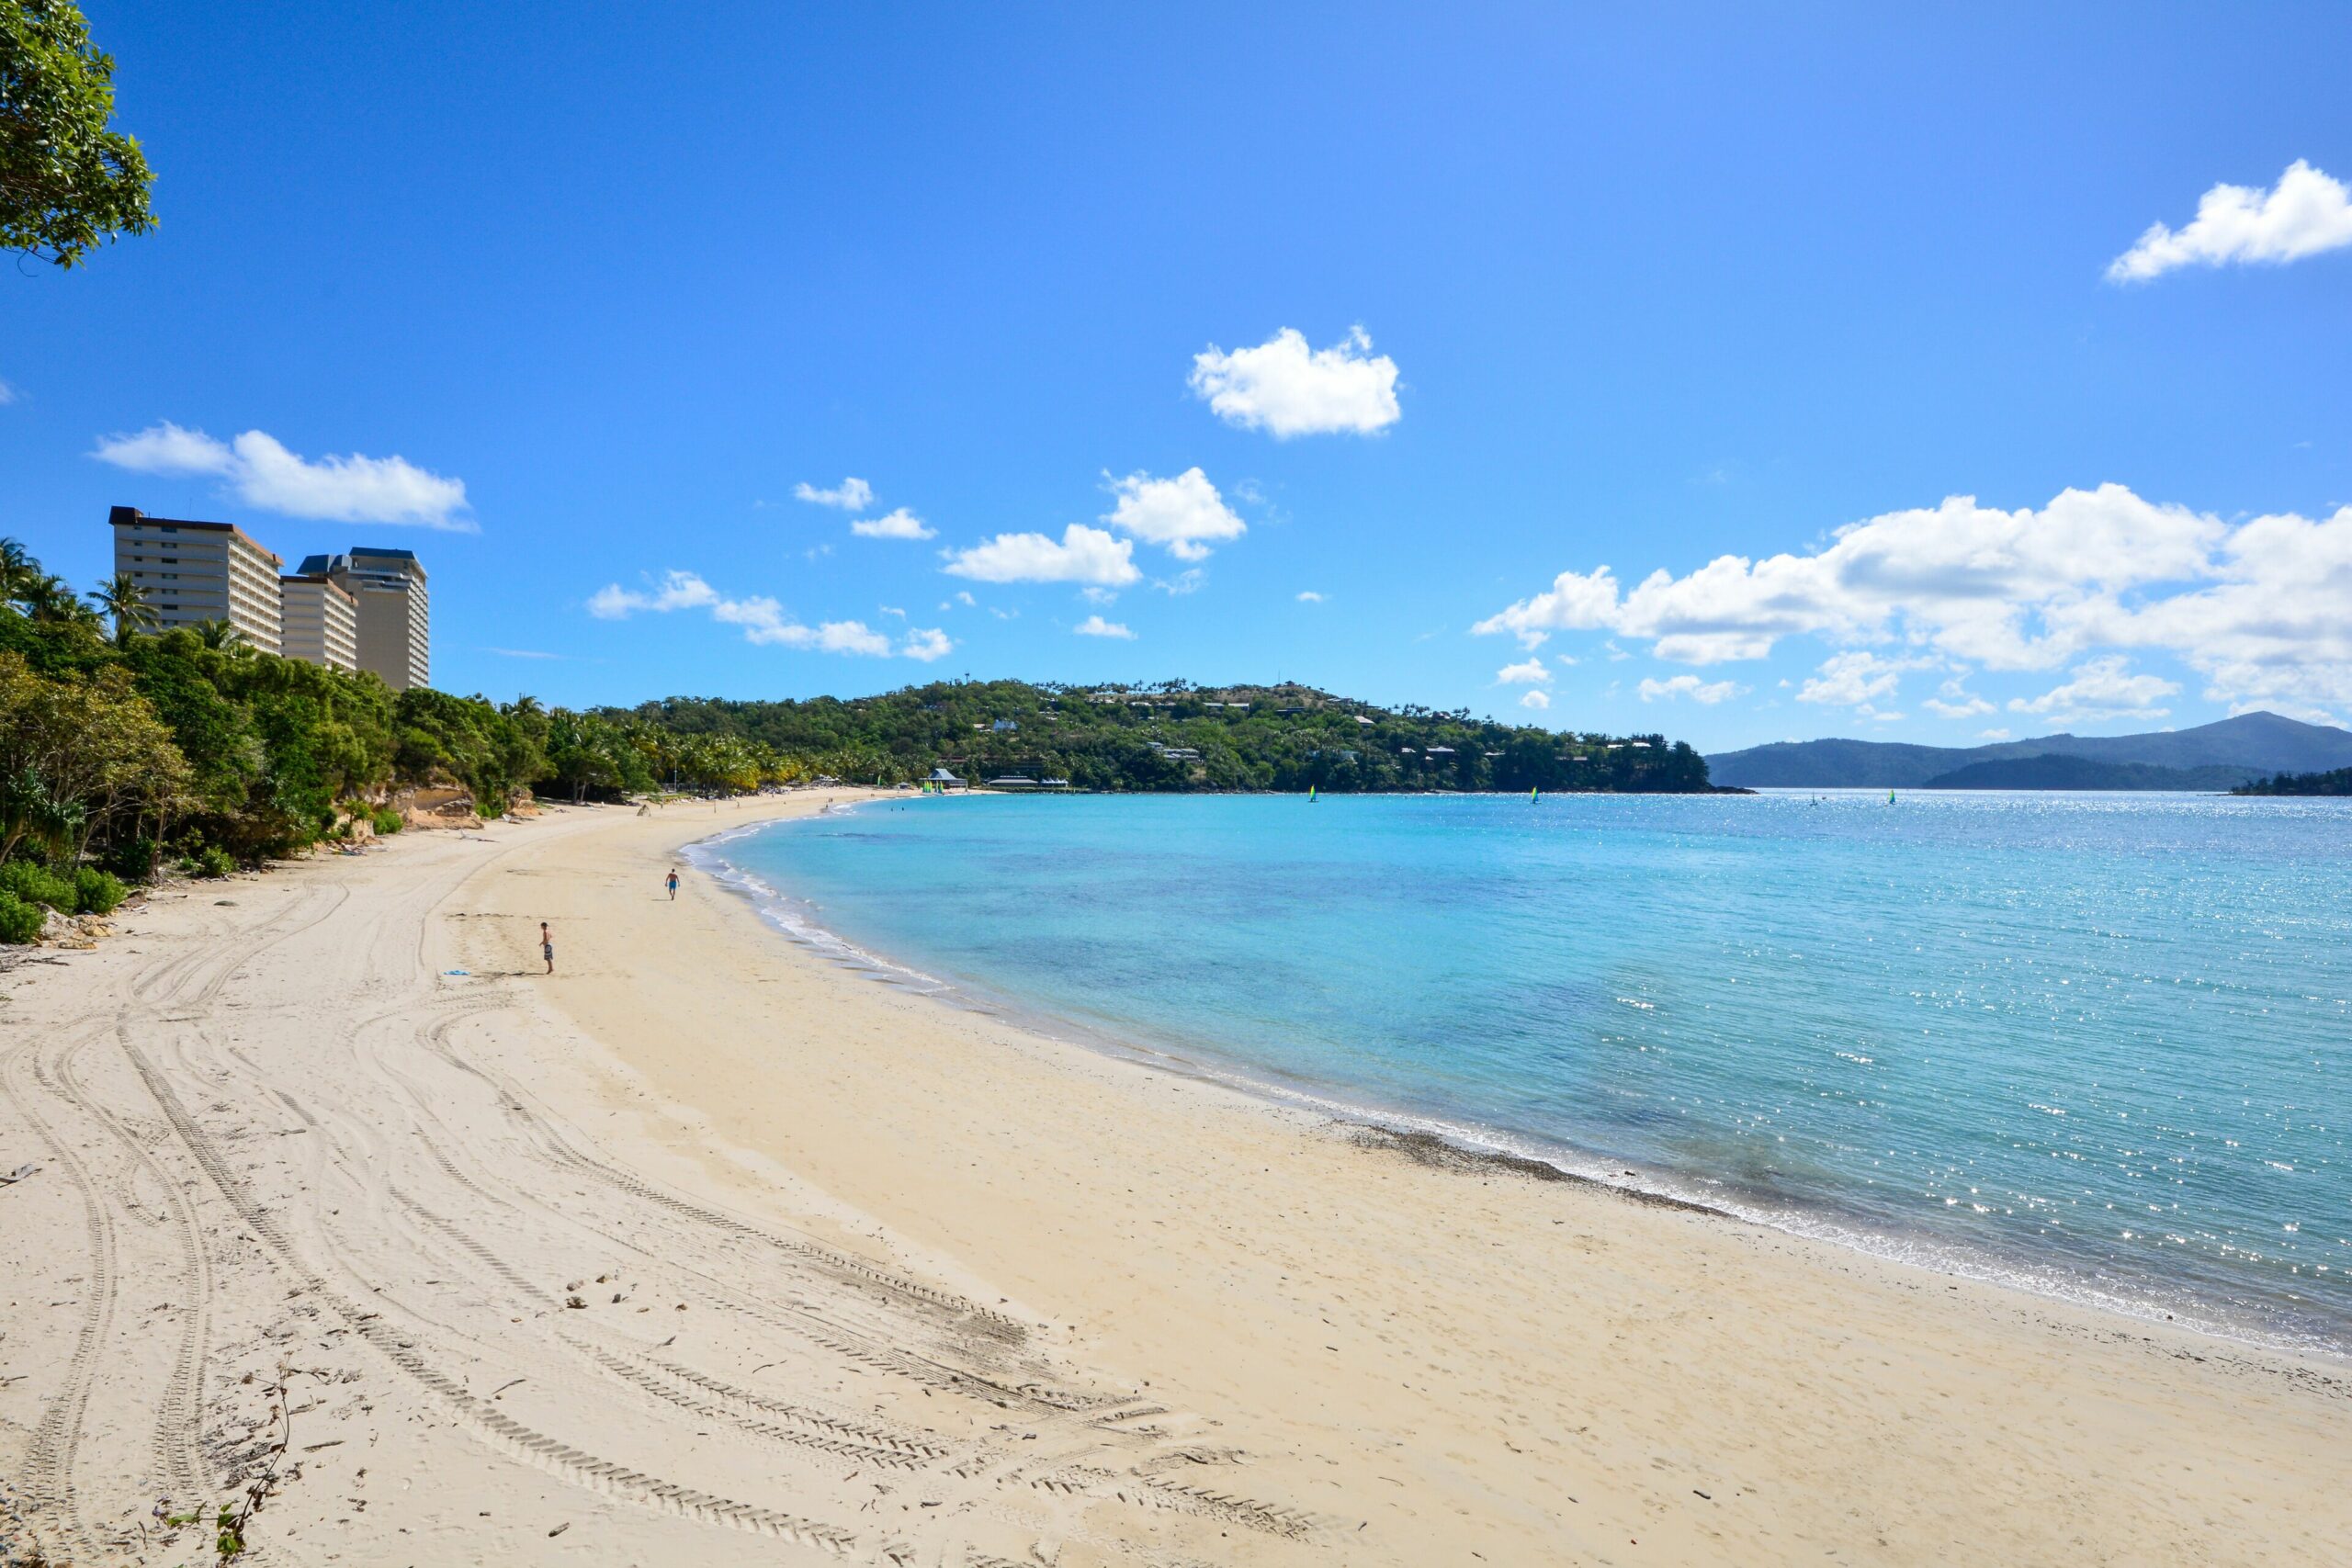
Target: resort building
395	619
192	572
322	620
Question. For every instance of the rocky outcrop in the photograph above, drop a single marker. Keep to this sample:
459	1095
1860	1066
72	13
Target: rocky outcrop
437	807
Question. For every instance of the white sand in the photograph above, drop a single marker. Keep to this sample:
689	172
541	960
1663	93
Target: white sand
900	1283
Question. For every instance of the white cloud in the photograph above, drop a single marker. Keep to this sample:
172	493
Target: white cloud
900	524
7	394
1308	596
262	473
2101	688
1535	700
849	495
166	448
677	590
1192	579
1575	602
833	637
1707	692
1177	514
2256	607
764	620
1284	389
1083	555
926	644
2304	214
1096	626
1529	673
892	609
1954	700
1854	679
1992	734
1960	578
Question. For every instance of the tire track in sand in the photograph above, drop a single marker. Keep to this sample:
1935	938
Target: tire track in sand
494	1427
49	1459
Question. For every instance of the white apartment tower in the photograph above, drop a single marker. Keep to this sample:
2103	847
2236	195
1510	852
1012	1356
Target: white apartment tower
193	572
322	620
395	620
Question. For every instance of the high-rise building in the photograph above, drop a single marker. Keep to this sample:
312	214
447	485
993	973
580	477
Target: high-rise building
395	620
322	620
192	572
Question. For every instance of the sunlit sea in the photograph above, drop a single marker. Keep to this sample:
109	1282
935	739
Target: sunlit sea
2099	1046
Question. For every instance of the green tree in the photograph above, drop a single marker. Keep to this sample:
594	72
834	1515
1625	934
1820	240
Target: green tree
121	600
78	754
67	183
17	570
585	754
51	598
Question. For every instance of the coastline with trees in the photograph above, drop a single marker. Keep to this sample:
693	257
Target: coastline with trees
129	752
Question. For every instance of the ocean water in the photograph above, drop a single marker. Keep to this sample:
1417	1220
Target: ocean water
2096	1044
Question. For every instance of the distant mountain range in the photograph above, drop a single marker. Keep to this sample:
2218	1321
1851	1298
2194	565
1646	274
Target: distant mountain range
2210	757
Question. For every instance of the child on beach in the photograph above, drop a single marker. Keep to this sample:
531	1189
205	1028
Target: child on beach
547	946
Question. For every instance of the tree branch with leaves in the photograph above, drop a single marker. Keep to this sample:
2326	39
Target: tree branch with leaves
68	183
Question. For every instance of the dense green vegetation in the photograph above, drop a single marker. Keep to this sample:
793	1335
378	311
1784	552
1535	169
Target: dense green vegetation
2336	782
67	181
121	752
1179	737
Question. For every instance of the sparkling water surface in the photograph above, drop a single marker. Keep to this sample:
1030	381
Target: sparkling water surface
2093	1044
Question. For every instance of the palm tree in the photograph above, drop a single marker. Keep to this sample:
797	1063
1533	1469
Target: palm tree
220	634
17	570
121	598
52	598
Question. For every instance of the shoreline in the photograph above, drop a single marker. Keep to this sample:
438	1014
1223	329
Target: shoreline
1529	1154
1041	1200
699	1251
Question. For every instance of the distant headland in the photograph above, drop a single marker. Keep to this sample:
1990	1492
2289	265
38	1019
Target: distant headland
2248	748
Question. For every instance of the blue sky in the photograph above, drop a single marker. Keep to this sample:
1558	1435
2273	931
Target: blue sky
1638	291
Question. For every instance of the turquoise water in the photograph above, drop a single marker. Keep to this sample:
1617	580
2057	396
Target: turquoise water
2099	1045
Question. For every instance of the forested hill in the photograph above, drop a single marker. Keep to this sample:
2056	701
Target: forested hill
2336	781
2249	744
1176	737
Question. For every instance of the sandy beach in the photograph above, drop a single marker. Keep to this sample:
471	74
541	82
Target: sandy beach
706	1249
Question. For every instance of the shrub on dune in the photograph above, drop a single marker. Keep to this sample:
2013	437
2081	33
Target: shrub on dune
19	922
34	883
96	892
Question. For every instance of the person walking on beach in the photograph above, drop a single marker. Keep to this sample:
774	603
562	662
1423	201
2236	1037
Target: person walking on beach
673	885
547	946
